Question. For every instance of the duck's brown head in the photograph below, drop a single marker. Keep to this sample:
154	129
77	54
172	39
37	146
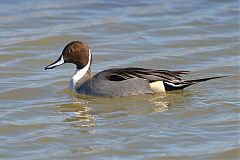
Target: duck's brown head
75	52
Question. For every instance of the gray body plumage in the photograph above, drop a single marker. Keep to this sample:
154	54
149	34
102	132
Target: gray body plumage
102	85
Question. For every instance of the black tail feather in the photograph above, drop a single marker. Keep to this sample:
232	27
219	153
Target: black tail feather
173	86
203	79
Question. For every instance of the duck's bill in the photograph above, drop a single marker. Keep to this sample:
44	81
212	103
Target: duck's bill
59	62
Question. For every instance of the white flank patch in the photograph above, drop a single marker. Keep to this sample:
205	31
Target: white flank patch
157	86
80	73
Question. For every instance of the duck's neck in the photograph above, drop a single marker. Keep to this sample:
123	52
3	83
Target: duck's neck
81	75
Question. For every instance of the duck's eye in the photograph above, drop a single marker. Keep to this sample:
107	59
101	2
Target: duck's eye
71	50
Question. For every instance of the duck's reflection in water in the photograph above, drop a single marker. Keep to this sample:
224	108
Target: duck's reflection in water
78	114
160	102
83	111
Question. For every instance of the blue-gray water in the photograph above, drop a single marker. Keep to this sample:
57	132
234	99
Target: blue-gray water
41	119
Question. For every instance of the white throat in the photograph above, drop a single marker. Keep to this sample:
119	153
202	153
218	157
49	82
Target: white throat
80	73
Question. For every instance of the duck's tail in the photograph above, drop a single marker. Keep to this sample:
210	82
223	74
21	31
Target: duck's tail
176	86
203	79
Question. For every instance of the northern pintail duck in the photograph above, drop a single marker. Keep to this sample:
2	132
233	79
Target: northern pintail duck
118	81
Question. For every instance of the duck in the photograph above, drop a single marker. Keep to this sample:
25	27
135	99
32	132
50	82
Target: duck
118	82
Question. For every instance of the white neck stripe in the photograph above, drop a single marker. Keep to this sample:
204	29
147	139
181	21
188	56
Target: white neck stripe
81	72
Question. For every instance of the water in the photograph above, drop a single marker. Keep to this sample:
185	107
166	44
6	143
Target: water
41	119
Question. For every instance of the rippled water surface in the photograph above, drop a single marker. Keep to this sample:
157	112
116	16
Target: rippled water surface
41	119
